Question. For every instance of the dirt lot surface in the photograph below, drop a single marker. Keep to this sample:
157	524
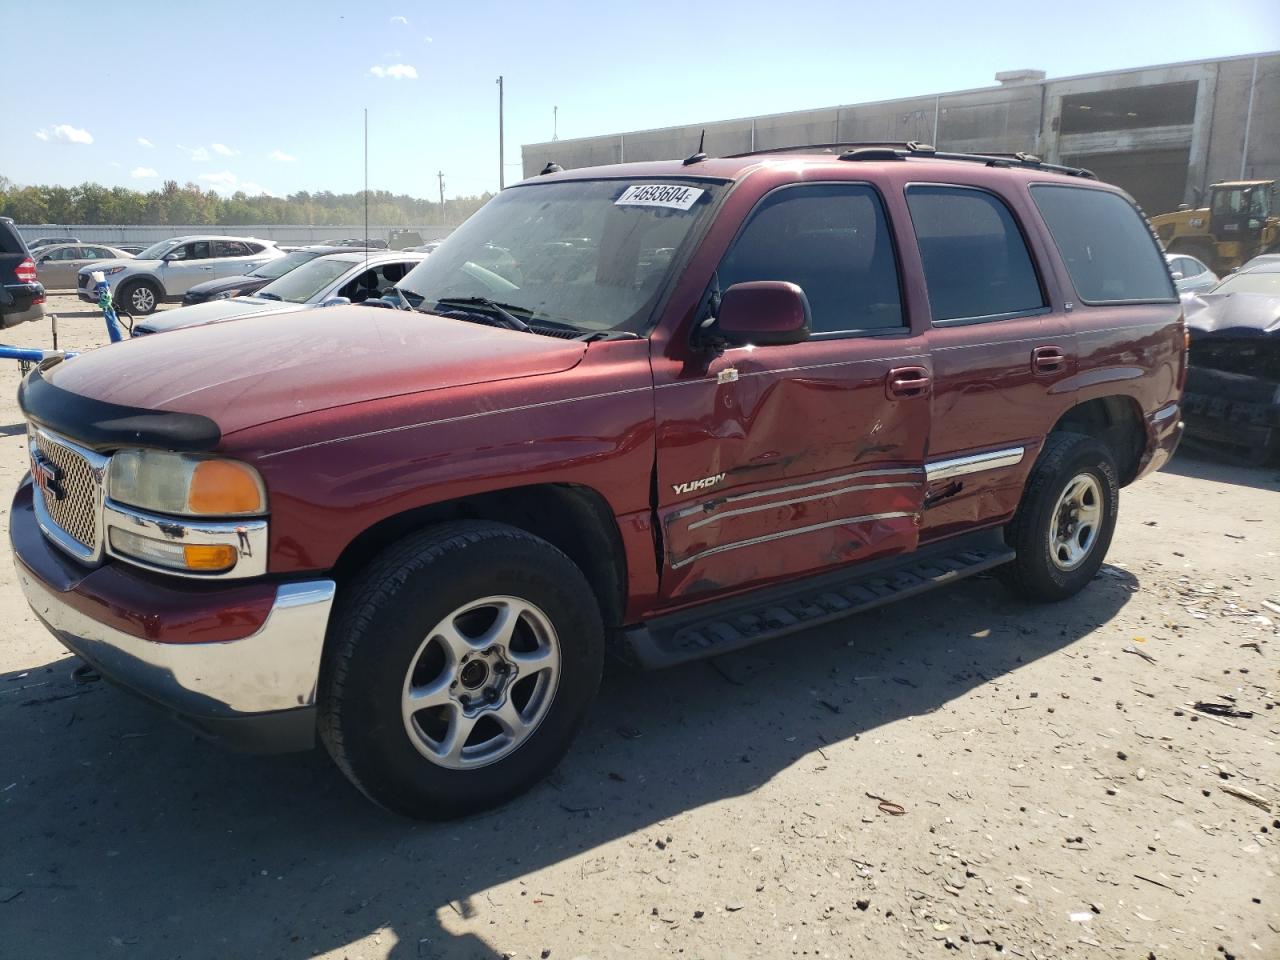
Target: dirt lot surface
1060	794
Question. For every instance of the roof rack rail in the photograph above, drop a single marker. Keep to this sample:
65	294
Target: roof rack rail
816	147
914	149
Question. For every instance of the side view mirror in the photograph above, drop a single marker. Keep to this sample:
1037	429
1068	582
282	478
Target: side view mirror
764	313
336	302
1177	275
169	257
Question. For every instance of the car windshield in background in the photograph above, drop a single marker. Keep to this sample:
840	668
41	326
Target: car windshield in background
593	254
282	265
303	283
156	250
1252	282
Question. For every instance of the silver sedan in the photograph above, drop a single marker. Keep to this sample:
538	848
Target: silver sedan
58	264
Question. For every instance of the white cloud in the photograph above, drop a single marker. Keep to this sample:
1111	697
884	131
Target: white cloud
143	173
396	71
403	21
428	40
144	142
224	150
230	183
224	179
198	154
281	156
66	133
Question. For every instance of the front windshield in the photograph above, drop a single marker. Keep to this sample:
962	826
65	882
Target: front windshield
1251	283
156	250
305	282
592	254
282	265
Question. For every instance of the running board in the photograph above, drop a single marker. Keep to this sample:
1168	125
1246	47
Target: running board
767	614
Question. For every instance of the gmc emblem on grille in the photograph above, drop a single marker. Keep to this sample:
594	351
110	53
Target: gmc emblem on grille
47	476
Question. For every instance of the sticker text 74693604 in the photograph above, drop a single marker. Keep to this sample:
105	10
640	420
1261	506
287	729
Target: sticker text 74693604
671	195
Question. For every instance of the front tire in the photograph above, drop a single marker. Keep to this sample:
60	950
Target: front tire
458	668
1066	519
140	297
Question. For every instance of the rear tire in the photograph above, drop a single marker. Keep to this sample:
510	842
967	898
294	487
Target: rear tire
1066	519
459	666
140	297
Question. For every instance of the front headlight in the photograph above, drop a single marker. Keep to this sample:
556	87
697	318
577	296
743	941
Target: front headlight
109	271
226	295
185	485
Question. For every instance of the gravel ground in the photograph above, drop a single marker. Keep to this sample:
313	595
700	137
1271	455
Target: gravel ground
1062	796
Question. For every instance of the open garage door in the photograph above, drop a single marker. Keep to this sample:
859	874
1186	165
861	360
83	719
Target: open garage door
1157	179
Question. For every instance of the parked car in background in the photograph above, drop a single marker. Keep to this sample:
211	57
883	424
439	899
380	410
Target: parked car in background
401	239
371	243
1189	274
41	242
1233	376
351	277
131	248
429	247
21	293
58	265
690	407
254	280
168	269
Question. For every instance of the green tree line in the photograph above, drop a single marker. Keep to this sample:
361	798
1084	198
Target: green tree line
91	203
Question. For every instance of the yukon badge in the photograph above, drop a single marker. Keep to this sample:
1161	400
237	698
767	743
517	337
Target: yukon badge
691	485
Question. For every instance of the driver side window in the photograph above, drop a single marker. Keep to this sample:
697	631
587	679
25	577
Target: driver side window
833	241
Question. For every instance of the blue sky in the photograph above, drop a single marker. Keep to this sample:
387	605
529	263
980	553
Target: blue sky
268	96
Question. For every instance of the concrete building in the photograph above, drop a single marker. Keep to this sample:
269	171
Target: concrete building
1164	133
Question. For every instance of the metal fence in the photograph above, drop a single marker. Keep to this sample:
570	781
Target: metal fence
281	233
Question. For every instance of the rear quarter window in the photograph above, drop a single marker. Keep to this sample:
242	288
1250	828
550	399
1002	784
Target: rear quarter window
1108	248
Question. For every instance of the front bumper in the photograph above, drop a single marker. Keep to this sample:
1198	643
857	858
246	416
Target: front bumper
257	691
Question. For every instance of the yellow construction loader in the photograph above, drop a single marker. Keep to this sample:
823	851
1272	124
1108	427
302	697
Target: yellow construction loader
1240	222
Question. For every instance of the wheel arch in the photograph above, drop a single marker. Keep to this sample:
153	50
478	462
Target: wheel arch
575	519
1117	421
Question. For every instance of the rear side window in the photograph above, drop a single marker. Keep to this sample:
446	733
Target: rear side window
1107	247
976	264
833	241
10	242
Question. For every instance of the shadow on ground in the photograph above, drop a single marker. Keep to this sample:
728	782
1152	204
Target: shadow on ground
123	830
1206	464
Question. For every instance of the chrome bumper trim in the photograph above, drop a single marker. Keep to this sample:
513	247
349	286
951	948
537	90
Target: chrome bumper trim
277	668
963	466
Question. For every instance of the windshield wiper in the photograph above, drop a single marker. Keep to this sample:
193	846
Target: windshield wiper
268	296
509	319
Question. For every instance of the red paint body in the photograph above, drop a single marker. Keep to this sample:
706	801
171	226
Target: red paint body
355	415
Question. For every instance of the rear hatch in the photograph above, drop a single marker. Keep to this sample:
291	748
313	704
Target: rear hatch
19	290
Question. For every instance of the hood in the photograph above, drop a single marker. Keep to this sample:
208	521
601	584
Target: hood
199	313
122	262
226	283
266	367
1232	314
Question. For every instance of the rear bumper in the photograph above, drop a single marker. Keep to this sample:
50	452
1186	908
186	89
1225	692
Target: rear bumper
256	692
1164	432
20	302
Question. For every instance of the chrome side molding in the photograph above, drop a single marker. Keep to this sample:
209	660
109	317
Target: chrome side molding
974	463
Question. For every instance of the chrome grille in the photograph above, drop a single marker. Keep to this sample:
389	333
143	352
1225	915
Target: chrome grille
75	512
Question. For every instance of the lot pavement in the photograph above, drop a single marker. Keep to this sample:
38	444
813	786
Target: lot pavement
1062	796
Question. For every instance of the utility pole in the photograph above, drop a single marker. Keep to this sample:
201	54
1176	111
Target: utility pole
501	154
440	176
555	123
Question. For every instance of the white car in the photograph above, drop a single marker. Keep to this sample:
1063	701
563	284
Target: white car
166	270
338	278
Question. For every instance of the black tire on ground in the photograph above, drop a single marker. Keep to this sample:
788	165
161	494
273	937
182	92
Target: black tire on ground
139	297
383	626
1066	460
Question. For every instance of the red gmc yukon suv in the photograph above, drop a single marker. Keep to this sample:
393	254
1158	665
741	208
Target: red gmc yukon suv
663	410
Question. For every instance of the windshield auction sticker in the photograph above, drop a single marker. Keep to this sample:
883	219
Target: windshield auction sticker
668	195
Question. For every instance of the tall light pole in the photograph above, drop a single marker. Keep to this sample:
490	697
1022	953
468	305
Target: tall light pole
555	123
501	153
440	175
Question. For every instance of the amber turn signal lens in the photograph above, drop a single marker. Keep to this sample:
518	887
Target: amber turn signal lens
224	487
209	556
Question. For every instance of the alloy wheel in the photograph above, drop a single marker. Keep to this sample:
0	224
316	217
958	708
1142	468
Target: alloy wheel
1073	525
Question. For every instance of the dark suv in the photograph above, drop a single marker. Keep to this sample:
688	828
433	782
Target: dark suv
660	410
21	295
